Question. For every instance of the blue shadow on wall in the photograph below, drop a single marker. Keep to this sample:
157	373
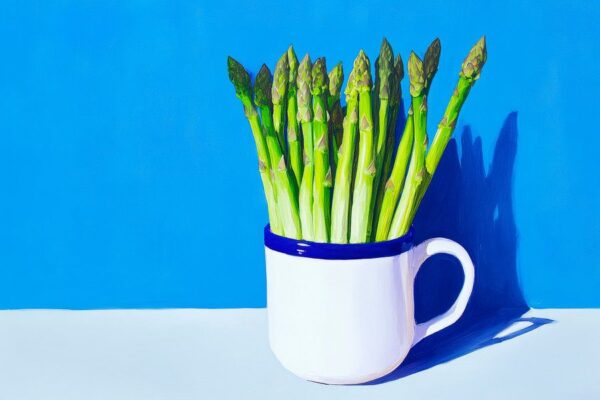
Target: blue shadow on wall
474	209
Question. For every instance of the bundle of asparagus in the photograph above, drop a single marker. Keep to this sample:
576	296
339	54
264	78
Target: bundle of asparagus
335	176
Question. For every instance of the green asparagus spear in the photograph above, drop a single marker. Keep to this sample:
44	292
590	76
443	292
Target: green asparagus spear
384	71
395	102
336	115
469	74
305	118
416	169
322	179
287	200
430	67
365	169
293	131
395	182
340	208
278	97
243	90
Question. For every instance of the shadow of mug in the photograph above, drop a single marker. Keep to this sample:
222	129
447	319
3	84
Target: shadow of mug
473	208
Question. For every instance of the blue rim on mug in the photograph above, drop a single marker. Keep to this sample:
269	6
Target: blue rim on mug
336	251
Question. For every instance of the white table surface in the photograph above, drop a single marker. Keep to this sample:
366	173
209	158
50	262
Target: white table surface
224	354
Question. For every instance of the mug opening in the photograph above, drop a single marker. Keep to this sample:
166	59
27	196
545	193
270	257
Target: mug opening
336	251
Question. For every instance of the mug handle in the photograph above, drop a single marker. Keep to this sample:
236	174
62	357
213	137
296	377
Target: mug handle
421	253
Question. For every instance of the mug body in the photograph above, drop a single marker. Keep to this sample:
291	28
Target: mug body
339	314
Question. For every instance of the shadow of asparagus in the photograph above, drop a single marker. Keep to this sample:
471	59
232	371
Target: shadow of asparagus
474	209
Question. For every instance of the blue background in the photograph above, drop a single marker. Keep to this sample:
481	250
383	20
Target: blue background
128	172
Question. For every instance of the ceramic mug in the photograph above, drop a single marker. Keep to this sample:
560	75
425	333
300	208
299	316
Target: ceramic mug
344	313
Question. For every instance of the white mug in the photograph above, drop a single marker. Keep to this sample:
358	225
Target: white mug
344	313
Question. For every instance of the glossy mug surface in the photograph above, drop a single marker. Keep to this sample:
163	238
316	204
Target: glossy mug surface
344	314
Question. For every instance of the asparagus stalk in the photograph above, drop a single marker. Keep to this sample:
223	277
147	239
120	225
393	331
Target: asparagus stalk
395	183
305	118
430	67
340	209
469	74
278	97
293	131
395	186
322	178
336	115
384	83
287	200
365	169
416	169
243	90
395	102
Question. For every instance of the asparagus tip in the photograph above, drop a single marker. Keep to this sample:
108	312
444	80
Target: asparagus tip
399	68
304	83
304	71
362	72
262	87
471	67
280	79
385	69
350	86
416	75
336	78
319	77
293	63
386	54
306	59
239	77
386	51
432	59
